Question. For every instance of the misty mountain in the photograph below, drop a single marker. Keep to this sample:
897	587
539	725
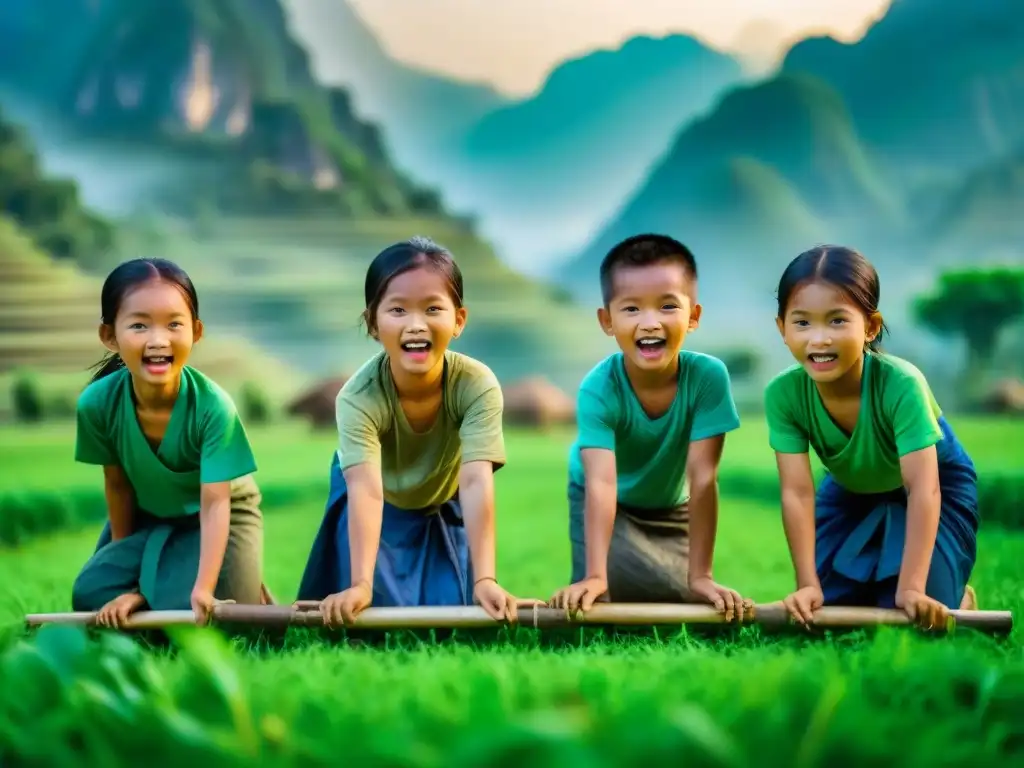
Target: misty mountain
422	112
747	201
983	217
546	170
932	79
221	87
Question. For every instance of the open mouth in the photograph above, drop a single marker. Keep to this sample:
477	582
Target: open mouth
156	365
822	359
650	346
416	347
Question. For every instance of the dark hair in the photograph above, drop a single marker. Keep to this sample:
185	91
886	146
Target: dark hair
643	251
846	269
119	283
404	257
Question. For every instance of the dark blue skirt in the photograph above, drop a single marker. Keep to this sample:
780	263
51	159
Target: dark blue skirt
423	557
860	537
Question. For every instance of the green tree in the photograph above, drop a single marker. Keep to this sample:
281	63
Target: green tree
976	305
27	398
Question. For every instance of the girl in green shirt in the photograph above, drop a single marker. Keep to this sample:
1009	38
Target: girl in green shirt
410	517
184	516
895	521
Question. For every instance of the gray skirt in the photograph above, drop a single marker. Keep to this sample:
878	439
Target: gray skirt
161	557
649	556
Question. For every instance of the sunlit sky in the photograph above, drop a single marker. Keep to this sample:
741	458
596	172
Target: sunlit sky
514	44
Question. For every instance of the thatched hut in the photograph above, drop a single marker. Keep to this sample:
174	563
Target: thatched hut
1006	397
317	403
536	402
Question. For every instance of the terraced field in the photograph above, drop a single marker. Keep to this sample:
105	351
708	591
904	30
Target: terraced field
296	286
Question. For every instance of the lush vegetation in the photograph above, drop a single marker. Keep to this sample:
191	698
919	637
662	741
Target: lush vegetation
722	700
48	209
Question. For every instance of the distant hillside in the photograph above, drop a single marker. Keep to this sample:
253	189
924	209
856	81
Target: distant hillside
567	156
295	288
984	216
423	113
933	82
221	87
49	317
47	208
747	200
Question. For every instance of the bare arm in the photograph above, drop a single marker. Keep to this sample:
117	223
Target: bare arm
797	483
120	502
921	478
702	472
476	494
365	514
214	524
599	510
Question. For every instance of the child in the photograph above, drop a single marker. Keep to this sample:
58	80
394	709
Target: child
652	419
184	516
420	437
895	520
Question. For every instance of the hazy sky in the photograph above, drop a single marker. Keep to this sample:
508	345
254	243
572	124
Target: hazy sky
514	44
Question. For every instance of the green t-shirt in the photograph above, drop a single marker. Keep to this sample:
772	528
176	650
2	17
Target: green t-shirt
205	441
898	415
420	470
650	454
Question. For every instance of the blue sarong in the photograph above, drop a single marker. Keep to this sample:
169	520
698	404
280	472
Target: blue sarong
860	537
423	558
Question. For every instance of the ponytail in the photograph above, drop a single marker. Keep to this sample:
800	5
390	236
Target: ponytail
108	365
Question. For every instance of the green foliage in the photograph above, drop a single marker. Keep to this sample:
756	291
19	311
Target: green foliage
26	515
299	131
254	404
77	693
48	209
975	303
68	699
741	363
504	698
27	398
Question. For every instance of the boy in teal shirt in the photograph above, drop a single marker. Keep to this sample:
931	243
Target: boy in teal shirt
652	419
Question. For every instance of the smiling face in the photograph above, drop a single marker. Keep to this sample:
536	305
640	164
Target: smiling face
153	332
650	314
417	320
826	331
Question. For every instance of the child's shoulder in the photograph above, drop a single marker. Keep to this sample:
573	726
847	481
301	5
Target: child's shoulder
787	383
101	396
208	395
462	367
366	383
606	373
891	368
468	379
702	363
893	377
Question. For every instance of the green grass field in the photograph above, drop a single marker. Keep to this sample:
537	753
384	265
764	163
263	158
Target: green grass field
881	697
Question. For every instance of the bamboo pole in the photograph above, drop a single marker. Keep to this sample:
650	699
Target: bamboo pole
137	620
772	615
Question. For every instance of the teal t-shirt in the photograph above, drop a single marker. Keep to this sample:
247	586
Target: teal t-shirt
898	415
650	454
205	441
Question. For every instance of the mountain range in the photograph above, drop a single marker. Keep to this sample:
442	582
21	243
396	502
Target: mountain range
906	143
846	143
540	172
